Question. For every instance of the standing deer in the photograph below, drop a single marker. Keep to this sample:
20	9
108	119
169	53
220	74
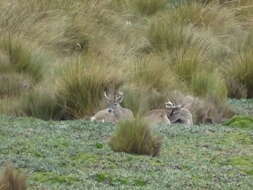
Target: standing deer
114	112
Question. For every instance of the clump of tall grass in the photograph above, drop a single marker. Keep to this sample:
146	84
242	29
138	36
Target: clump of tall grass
21	59
11	179
210	16
209	85
135	137
149	81
10	106
153	73
240	74
59	26
13	84
165	34
185	63
141	99
41	103
142	7
147	7
81	85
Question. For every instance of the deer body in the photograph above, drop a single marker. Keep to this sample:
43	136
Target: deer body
179	114
114	112
157	116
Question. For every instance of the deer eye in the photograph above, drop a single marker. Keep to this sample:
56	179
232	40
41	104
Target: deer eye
110	110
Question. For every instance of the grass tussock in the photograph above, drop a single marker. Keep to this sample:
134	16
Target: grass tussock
41	103
141	7
209	85
21	59
240	76
135	137
10	106
81	86
147	7
141	99
165	34
14	84
11	179
145	71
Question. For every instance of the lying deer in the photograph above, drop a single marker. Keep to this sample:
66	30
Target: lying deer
114	112
170	114
178	114
158	116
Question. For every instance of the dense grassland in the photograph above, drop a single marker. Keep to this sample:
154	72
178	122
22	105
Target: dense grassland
76	155
57	57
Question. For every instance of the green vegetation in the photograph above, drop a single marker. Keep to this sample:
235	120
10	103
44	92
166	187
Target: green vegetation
57	57
240	122
244	163
135	137
80	89
76	155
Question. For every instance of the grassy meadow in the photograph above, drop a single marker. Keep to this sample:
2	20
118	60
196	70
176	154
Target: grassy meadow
76	155
57	57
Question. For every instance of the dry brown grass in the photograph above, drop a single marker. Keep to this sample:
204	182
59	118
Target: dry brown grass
157	48
12	180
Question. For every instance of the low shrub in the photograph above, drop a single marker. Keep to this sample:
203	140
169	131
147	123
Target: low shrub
135	137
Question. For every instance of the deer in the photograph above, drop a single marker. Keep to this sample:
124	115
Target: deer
114	111
179	114
158	116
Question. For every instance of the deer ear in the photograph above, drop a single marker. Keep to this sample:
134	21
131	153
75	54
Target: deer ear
120	97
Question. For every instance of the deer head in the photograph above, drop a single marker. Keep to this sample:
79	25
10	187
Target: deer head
114	112
172	107
114	100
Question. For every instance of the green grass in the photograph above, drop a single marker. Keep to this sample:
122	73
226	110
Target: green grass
240	122
21	58
75	155
135	137
81	86
178	39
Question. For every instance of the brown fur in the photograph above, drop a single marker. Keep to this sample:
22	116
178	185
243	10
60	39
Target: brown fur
157	116
203	110
12	179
